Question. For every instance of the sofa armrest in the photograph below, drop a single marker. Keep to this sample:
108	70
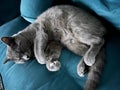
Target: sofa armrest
9	9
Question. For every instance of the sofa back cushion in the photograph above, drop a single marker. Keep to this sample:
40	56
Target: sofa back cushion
30	9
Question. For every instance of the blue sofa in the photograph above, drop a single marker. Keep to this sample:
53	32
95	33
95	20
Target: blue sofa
16	15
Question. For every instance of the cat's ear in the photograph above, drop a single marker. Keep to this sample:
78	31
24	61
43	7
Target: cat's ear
10	41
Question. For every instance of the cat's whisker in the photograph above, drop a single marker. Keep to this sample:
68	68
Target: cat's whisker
6	60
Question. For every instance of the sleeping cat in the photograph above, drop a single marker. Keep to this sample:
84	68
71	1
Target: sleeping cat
61	26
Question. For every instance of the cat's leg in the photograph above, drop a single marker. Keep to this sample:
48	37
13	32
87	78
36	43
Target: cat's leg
40	42
78	48
95	71
52	52
81	68
95	44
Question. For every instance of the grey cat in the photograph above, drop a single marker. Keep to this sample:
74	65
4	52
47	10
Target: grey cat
58	27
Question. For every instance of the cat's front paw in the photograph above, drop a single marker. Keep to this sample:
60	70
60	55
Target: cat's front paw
41	61
53	65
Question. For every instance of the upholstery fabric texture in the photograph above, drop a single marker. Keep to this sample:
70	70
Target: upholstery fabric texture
32	75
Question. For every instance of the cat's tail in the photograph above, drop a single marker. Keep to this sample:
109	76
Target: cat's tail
95	71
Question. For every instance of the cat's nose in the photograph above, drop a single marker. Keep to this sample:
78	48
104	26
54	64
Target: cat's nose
28	56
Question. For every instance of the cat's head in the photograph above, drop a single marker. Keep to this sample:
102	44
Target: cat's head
19	50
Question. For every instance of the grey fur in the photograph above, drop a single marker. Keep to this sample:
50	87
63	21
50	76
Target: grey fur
95	71
52	53
74	28
66	26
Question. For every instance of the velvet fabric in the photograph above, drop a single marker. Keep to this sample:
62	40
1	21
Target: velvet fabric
33	76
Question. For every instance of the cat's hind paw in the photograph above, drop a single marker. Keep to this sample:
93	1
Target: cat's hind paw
89	60
53	65
81	68
80	71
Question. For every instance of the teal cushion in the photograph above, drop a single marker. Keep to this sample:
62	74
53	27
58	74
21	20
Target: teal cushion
30	9
33	76
108	9
110	79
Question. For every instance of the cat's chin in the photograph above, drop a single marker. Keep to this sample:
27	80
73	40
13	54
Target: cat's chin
19	62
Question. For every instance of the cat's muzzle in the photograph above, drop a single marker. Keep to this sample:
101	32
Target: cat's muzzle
21	60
